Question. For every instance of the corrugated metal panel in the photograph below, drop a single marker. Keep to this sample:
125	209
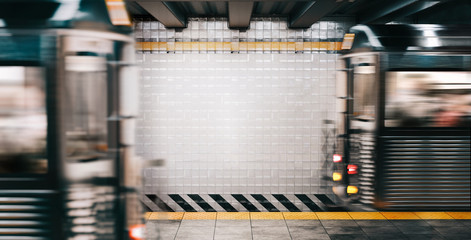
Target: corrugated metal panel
26	214
427	172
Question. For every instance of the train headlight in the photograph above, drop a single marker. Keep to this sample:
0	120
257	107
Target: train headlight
352	190
137	232
336	176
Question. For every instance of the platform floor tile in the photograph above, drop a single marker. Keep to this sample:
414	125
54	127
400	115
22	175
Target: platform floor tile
308	226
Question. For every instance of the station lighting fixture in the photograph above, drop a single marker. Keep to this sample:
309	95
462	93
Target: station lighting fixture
337	158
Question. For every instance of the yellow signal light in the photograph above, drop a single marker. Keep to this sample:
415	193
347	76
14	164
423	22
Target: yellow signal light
352	190
336	176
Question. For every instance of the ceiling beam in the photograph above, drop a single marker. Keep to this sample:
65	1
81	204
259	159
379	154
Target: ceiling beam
239	14
312	12
382	9
220	0
165	12
406	11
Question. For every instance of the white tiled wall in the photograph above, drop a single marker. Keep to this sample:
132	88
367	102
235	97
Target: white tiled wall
236	123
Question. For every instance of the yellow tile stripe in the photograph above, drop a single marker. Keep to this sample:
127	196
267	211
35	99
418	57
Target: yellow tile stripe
239	46
304	215
460	215
199	216
166	216
333	216
433	215
400	215
233	216
367	216
299	215
266	215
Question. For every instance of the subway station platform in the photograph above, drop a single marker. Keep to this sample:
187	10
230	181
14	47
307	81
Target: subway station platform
307	225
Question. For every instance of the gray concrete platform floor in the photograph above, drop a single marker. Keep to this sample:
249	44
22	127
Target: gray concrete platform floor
307	229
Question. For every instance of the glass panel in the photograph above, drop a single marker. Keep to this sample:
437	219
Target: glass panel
428	99
407	61
364	93
86	107
23	121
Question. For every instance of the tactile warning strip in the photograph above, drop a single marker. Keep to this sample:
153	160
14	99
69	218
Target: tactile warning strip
366	215
460	215
300	215
165	216
304	215
199	216
400	215
233	216
266	215
333	215
433	215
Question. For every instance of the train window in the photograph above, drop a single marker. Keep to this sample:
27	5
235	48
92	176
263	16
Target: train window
23	121
86	107
364	92
428	99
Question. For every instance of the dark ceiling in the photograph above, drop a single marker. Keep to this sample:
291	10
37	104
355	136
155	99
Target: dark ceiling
303	13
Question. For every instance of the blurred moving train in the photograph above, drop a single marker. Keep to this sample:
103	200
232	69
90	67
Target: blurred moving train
403	130
67	104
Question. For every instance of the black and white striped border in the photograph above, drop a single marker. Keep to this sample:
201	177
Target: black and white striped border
239	203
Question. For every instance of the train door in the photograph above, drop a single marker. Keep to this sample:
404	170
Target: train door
29	201
99	169
67	106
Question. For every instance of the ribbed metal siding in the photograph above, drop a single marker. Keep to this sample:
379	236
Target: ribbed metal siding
26	214
367	168
426	172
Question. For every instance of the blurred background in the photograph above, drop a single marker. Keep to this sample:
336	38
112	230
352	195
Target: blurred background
110	109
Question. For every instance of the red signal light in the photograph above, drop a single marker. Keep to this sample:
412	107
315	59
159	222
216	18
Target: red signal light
337	158
352	169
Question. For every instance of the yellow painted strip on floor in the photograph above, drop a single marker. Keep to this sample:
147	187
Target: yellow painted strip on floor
400	215
238	46
200	216
304	215
166	216
233	216
366	215
460	215
333	215
266	215
299	215
433	215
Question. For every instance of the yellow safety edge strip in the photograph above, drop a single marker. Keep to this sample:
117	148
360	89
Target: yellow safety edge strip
305	215
239	46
